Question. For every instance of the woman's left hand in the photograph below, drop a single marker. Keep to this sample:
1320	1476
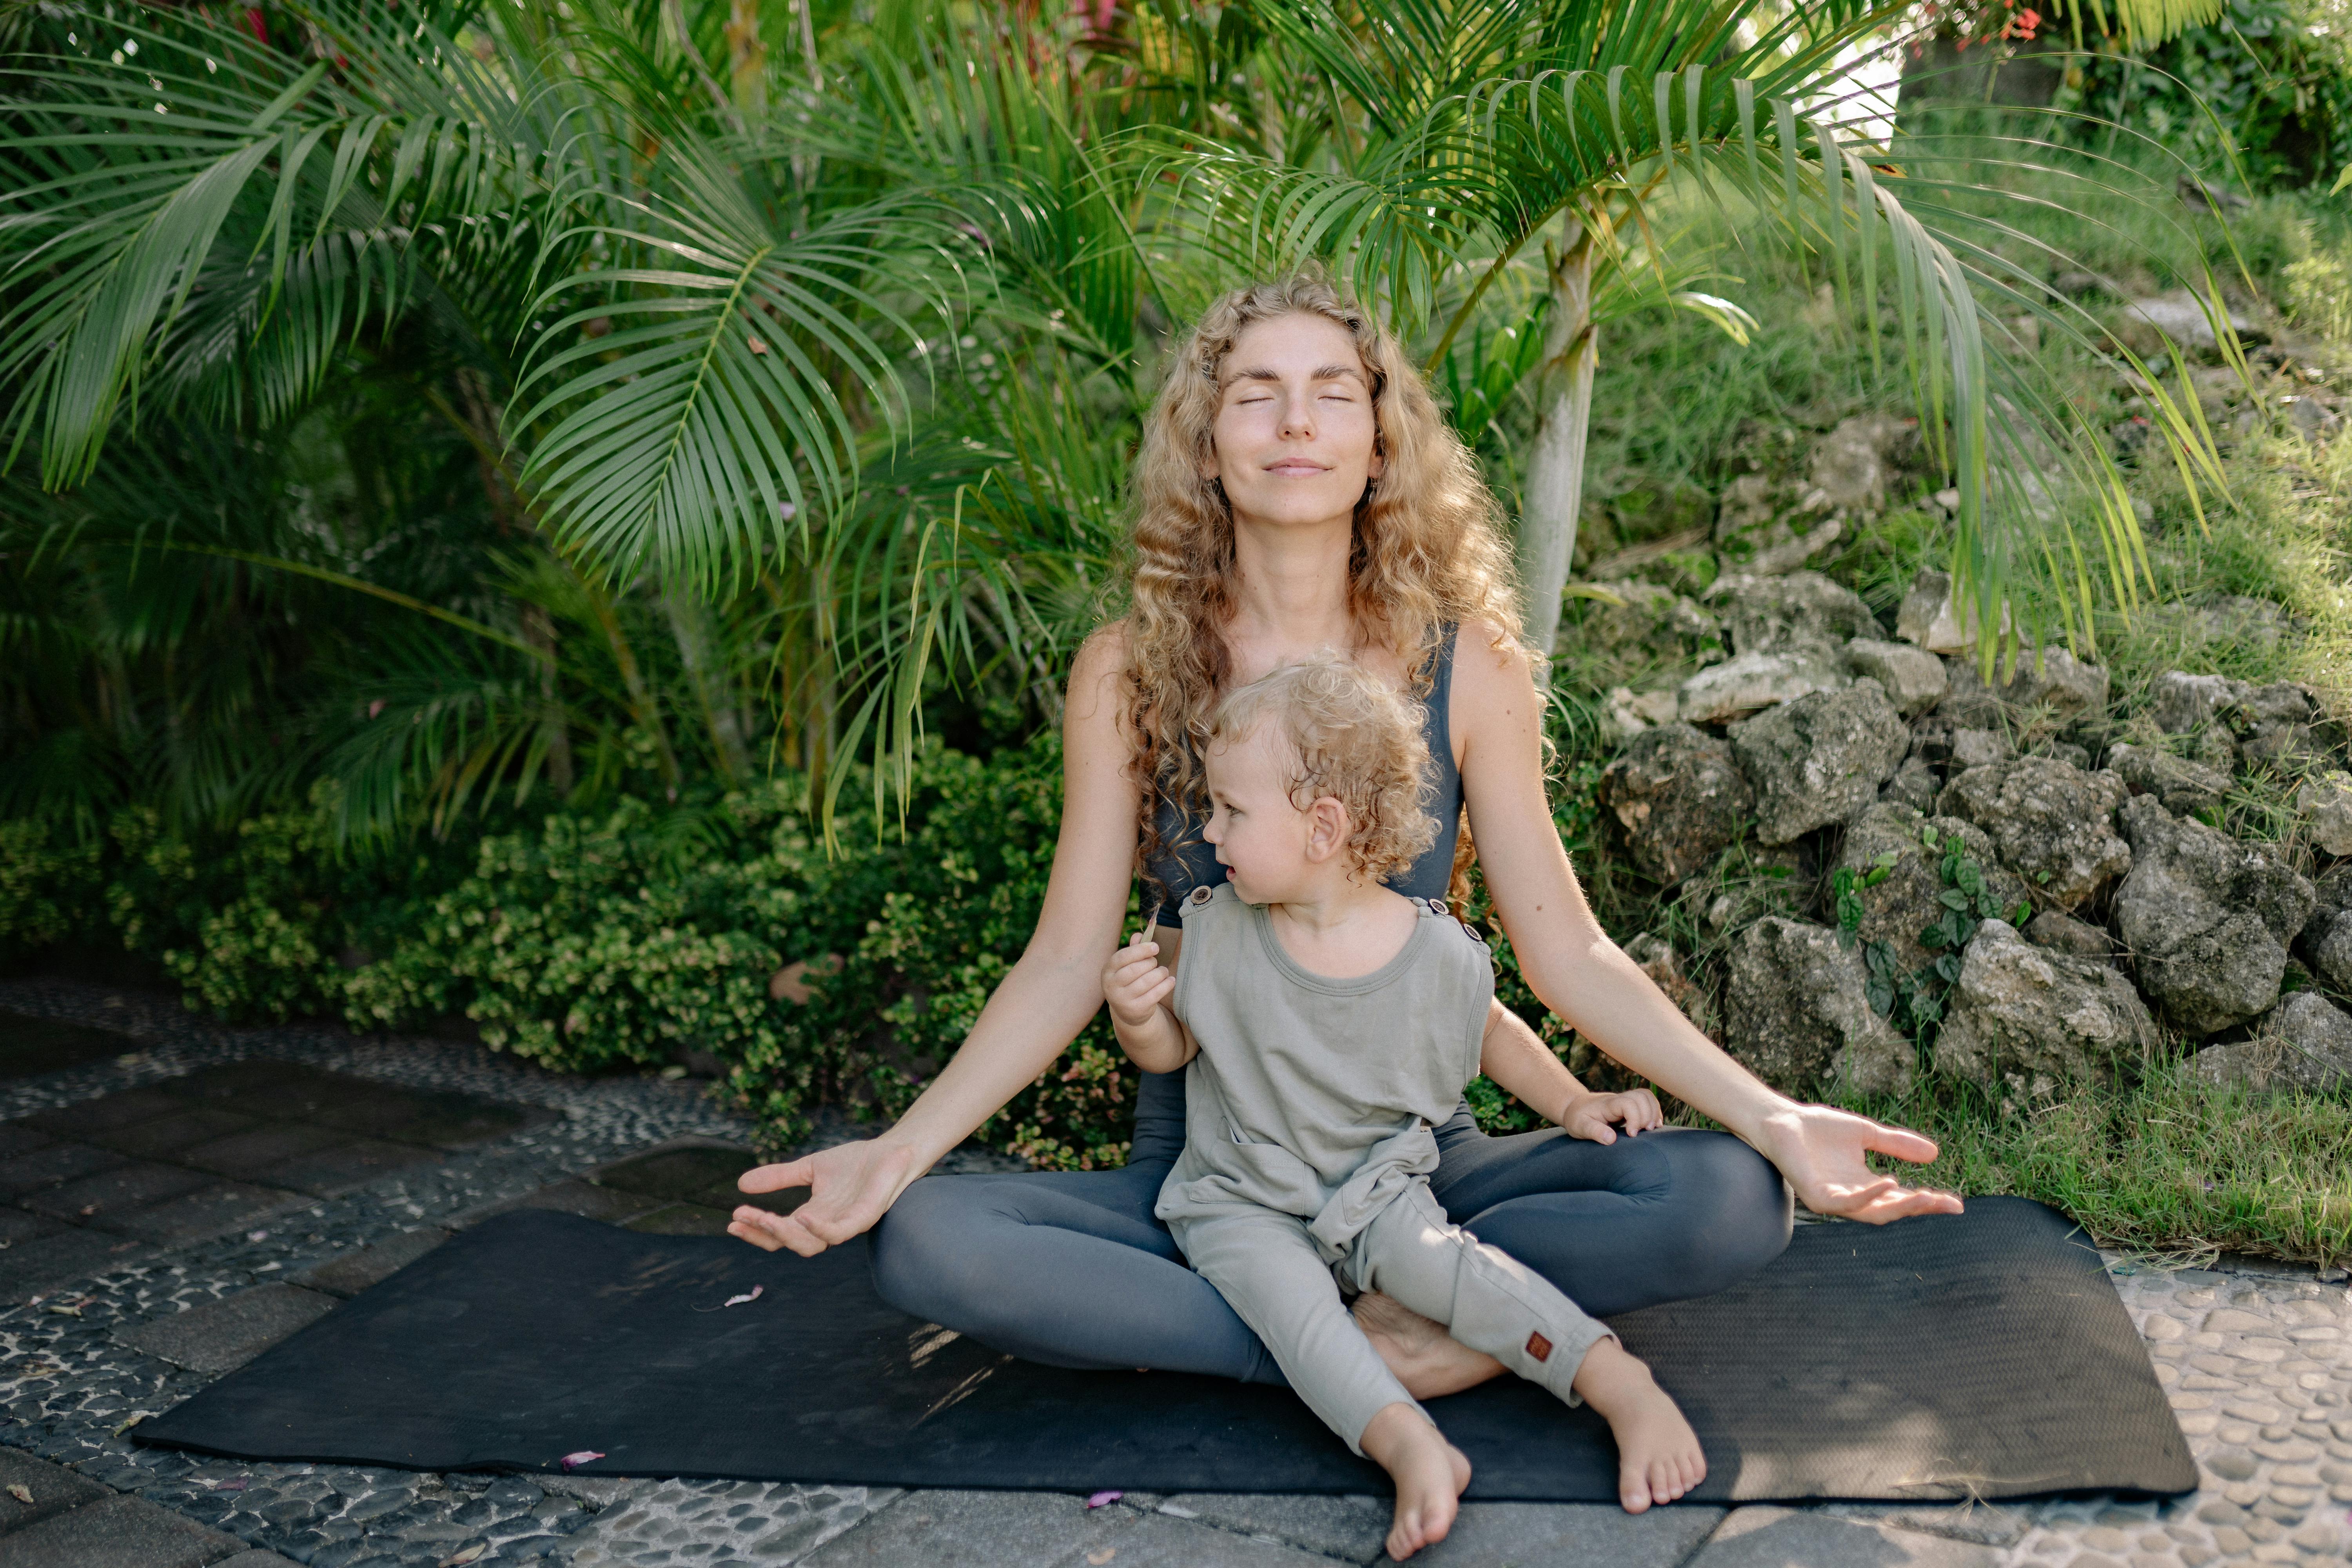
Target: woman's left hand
1821	1150
1591	1116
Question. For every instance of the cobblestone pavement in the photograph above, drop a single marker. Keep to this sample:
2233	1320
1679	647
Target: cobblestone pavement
2258	1361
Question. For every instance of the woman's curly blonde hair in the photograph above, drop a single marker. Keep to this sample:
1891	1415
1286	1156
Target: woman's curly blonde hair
1353	737
1428	548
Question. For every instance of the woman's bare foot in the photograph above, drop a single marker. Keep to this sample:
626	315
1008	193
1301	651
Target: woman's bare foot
1429	1472
1427	1360
1658	1456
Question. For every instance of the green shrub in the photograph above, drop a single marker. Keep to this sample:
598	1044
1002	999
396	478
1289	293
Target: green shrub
925	926
252	924
586	944
50	887
2269	78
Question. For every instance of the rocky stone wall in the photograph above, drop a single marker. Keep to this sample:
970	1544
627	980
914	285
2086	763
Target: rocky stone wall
2003	886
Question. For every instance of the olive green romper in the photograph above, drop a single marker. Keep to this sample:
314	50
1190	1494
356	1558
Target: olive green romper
1307	1150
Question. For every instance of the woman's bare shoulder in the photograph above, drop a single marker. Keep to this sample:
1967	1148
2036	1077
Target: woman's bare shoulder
1102	657
1490	661
1098	679
1104	652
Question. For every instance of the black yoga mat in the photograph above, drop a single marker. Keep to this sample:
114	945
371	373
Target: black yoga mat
1983	1354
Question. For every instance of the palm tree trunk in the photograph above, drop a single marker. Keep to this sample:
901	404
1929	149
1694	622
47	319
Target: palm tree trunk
747	58
690	623
1554	489
644	708
539	630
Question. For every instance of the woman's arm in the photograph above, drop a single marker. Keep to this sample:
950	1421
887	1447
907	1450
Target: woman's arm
1036	1011
1571	964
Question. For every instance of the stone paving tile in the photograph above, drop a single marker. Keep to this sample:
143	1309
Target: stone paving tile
53	1489
205	1212
118	1532
1349	1528
245	1156
582	1198
29	1268
1510	1534
21	1225
16	1138
353	1272
1135	1539
1985	1523
765	1521
1758	1537
57	1163
1050	1530
332	1172
99	1199
172	1132
222	1335
104	1113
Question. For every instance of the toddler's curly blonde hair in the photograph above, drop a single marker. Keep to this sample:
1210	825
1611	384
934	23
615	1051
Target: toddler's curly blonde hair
1358	740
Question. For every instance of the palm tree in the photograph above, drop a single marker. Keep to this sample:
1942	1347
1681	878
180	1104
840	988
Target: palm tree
664	348
1461	133
714	319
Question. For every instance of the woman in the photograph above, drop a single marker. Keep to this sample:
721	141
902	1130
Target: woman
1298	491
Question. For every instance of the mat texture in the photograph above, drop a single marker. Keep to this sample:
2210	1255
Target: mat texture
1941	1357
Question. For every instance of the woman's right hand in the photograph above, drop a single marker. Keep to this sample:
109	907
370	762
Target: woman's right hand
851	1185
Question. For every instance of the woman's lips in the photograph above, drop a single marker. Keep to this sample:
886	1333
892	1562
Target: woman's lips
1295	468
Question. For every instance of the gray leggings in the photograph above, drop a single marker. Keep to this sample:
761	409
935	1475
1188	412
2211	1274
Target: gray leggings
1069	1268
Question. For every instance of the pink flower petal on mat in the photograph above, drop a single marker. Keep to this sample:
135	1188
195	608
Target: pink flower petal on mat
757	1292
571	1462
1101	1498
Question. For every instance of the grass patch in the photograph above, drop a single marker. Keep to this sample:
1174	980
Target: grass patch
2167	1165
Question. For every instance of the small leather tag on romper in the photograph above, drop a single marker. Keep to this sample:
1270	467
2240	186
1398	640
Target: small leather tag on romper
1539	1347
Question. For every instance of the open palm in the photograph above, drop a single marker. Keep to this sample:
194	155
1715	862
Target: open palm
1822	1153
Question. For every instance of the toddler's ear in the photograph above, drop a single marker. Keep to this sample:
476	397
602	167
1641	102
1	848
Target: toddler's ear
1327	827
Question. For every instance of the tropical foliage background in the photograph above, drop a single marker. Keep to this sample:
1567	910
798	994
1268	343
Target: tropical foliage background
555	512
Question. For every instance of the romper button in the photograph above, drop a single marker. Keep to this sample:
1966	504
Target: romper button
1202	895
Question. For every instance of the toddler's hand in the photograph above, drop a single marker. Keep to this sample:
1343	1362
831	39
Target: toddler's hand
1589	1116
1135	982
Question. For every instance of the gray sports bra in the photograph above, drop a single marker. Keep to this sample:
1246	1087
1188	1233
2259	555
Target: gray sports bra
1186	861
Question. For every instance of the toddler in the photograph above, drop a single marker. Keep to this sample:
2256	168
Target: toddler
1327	1023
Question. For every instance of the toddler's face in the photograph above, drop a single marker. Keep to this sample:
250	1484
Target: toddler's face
1260	835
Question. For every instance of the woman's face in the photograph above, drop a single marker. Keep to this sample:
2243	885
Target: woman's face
1294	438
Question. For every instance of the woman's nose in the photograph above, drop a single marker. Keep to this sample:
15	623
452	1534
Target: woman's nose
1297	418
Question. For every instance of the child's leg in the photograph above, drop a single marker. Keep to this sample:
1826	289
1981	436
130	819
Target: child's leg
1492	1303
1267	1266
1410	1254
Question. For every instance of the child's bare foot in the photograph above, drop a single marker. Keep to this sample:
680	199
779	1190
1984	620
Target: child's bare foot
1429	1472
1658	1456
1427	1360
